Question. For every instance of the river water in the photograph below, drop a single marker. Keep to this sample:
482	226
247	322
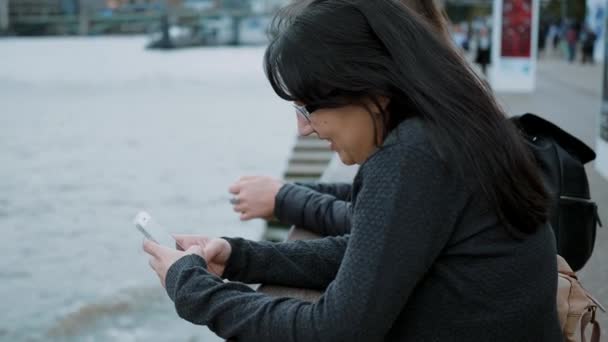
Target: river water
94	129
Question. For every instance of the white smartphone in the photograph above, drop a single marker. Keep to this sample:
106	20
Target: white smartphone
153	231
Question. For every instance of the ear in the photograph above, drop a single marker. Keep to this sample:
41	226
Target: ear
376	105
384	101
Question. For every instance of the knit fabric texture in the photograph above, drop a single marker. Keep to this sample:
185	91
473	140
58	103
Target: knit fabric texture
425	260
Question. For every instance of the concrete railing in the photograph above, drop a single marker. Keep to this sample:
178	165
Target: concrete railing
334	172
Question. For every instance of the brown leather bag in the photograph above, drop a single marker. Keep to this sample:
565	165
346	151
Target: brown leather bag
576	307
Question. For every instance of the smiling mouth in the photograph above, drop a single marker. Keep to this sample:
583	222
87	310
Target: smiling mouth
332	146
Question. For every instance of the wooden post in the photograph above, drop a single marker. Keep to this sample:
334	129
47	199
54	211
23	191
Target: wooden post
4	15
83	17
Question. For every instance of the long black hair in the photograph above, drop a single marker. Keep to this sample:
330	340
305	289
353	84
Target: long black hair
330	53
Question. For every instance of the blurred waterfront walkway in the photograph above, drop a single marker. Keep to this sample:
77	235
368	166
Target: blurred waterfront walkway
570	96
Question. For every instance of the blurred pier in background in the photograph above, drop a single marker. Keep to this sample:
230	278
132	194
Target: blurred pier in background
187	22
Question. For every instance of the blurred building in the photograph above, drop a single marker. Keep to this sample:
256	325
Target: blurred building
19	8
34	7
138	5
199	5
266	6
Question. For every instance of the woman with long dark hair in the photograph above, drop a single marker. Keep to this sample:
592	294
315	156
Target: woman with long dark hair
301	203
449	238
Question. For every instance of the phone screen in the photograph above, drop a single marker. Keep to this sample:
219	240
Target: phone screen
152	230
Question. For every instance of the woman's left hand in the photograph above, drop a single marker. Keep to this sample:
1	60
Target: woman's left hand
161	257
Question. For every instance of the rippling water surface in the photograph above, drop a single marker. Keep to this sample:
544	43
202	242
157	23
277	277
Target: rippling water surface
93	129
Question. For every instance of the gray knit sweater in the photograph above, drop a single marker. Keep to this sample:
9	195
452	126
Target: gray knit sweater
426	260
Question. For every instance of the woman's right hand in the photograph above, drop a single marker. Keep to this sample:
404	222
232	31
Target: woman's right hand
255	196
216	251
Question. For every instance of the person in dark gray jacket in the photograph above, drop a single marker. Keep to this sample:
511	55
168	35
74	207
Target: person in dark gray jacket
449	239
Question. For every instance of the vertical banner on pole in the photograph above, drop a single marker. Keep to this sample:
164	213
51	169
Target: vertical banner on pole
514	45
596	16
601	162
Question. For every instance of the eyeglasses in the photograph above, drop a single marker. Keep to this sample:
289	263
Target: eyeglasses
305	111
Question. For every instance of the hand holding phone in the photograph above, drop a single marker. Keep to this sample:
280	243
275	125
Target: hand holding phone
153	231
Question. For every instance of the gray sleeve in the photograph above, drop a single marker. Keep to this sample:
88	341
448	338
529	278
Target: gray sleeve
341	191
306	208
283	263
394	241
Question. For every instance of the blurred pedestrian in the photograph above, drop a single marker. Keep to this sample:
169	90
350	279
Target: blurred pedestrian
483	50
571	41
555	34
542	39
459	37
588	46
